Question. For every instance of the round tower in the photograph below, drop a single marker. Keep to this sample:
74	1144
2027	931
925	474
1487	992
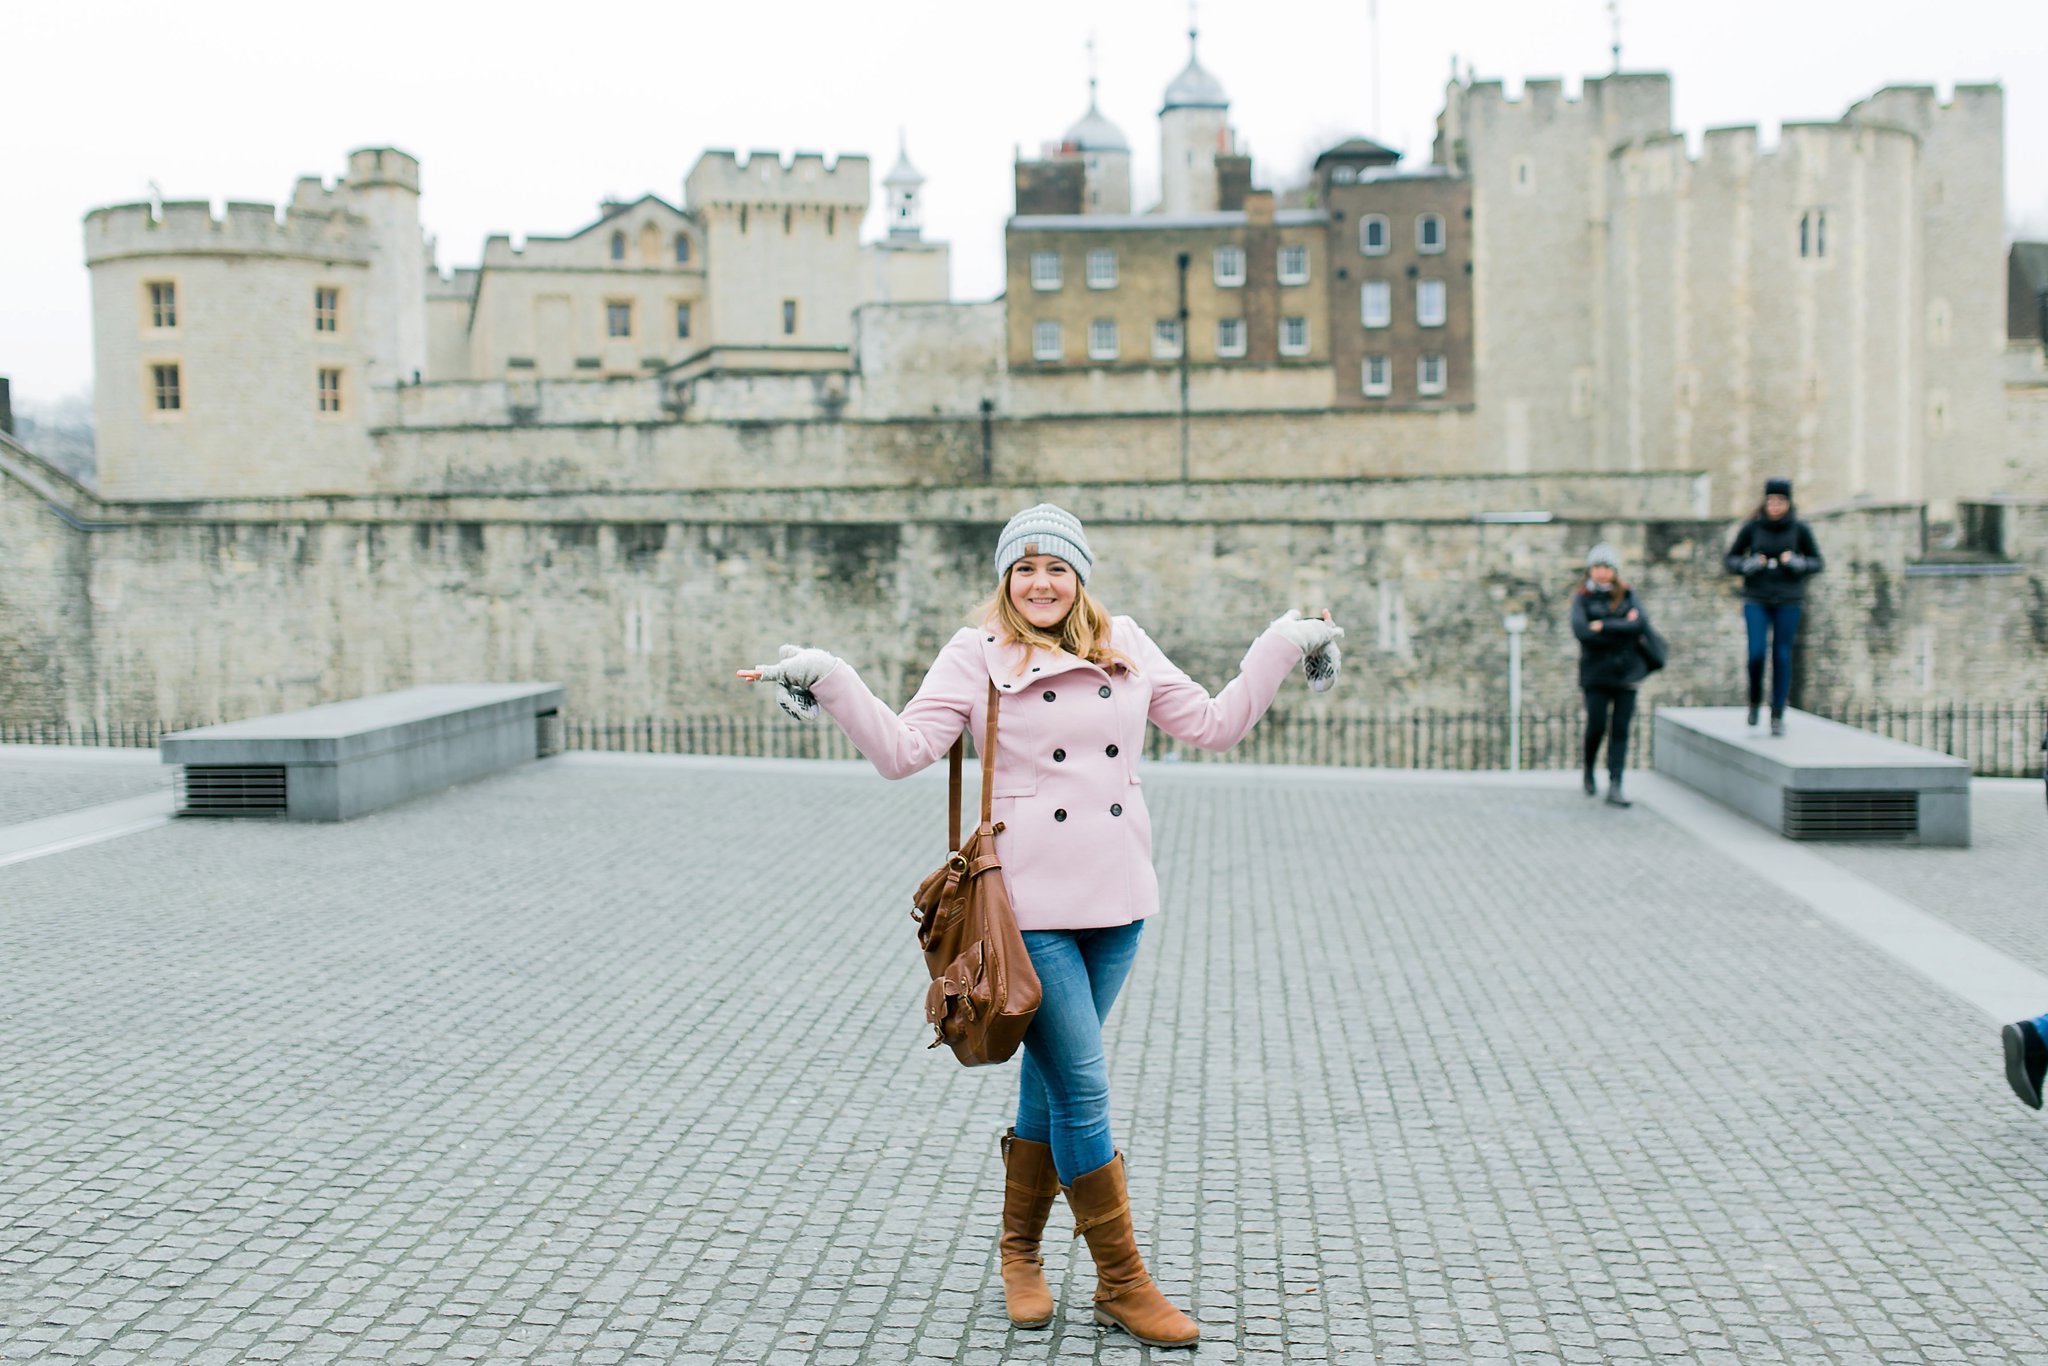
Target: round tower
383	189
1105	160
1194	129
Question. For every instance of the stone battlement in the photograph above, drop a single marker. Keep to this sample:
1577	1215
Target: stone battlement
720	177
188	227
1546	94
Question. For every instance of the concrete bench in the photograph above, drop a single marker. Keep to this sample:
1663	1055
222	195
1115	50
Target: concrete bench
1821	780
342	760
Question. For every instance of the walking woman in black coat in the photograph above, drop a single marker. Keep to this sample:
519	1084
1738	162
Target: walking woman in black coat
1775	553
1608	620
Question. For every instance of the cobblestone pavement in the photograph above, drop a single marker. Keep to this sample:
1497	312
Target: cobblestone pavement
32	788
619	1060
1996	890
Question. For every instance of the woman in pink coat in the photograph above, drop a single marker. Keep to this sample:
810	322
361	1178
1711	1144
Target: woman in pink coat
1077	687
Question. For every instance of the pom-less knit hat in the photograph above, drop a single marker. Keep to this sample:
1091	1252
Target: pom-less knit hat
1603	553
1780	486
1044	530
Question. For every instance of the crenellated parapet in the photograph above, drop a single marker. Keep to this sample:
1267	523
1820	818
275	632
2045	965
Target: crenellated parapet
189	228
763	178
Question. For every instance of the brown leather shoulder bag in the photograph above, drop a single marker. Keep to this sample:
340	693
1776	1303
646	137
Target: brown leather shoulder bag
984	990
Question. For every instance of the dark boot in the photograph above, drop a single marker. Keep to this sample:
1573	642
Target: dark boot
1030	1185
1614	795
2026	1060
1124	1294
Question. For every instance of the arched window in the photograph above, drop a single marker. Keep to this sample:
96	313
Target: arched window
618	246
682	250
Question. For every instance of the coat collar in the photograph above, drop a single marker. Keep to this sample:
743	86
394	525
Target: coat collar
1003	661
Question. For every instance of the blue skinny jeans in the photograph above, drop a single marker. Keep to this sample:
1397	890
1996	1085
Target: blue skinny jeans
1063	1094
1772	629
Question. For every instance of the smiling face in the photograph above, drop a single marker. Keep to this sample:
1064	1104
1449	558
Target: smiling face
1043	588
1776	505
1602	574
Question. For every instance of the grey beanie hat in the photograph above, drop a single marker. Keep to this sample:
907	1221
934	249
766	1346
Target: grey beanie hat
1603	553
1044	530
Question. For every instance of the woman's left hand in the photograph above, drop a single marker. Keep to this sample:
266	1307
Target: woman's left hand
1317	639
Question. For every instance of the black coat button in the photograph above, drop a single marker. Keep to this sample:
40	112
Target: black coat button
1060	814
1050	694
1059	756
1116	809
1111	751
1103	691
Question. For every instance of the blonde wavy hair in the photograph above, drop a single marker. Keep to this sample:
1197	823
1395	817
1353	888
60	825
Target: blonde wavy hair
1083	632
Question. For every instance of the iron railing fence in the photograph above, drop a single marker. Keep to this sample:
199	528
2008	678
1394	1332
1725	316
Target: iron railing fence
1999	740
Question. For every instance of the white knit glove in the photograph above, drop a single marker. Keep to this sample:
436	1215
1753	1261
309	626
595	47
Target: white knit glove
794	675
1317	640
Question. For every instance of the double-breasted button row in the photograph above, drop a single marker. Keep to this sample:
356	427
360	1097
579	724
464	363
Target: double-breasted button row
1115	809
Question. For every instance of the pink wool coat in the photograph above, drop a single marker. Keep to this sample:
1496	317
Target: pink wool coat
1077	843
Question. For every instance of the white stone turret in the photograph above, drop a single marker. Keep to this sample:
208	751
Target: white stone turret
1194	129
1105	157
904	188
383	189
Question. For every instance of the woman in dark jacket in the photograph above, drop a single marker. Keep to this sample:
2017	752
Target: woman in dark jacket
1775	554
1608	620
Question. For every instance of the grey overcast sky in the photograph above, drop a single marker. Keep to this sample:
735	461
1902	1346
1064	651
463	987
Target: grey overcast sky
524	116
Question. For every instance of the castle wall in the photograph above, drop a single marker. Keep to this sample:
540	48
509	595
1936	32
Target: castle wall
46	668
776	234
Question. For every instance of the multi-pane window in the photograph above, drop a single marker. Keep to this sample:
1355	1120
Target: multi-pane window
1230	336
1045	341
1294	265
1294	336
1102	270
164	387
1373	237
682	320
330	391
618	320
1429	232
1429	374
1813	233
326	309
618	246
682	250
789	317
1376	376
1102	339
1229	267
1166	339
1376	303
163	304
1429	303
1045	270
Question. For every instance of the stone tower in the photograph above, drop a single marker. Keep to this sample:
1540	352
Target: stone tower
904	189
1194	130
1105	159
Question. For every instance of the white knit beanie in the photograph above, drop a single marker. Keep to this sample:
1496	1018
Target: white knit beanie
1603	553
1044	530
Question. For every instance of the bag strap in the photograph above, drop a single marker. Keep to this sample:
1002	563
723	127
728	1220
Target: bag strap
954	759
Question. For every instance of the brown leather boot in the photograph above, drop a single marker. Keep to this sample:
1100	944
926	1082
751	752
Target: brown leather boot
1124	1294
1030	1183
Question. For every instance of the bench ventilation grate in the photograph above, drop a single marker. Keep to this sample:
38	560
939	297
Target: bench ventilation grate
1852	815
209	790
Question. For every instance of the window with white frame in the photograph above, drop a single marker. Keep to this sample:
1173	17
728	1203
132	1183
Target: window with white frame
1376	376
163	304
1294	336
1102	270
1294	265
1102	339
1374	237
1230	336
1429	374
330	391
1429	303
165	388
1045	270
1376	303
326	308
1166	339
1344	175
1045	341
618	319
1429	232
1229	267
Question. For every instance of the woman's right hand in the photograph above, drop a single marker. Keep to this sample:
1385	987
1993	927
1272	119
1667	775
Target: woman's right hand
794	674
